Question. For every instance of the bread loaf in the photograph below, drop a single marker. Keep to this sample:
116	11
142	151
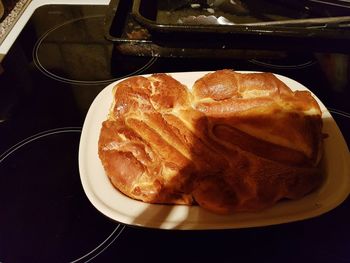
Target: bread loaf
235	142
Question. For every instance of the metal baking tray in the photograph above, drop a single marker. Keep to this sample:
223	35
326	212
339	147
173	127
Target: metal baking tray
192	18
131	36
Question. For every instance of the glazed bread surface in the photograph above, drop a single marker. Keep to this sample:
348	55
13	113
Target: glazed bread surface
234	142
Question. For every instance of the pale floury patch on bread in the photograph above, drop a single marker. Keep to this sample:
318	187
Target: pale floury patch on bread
236	142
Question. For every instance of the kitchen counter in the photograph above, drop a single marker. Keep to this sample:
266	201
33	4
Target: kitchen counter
9	19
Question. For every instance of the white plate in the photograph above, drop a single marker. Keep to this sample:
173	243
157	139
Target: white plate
117	206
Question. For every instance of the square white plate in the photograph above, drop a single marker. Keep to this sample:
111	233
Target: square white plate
123	209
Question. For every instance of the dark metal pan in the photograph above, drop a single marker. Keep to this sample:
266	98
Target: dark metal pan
191	18
132	37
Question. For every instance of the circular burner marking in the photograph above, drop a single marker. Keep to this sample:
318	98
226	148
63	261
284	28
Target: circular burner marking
76	52
48	215
37	136
287	63
339	112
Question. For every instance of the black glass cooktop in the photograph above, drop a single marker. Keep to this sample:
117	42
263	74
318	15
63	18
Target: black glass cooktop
49	78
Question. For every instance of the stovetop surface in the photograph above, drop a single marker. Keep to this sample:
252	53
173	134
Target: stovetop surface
50	77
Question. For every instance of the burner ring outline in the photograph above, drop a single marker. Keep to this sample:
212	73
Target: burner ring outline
35	137
339	112
46	72
116	231
110	239
296	66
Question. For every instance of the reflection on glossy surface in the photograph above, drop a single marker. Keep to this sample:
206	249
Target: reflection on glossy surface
76	52
337	70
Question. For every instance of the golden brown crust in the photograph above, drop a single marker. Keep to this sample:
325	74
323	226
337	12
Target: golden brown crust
237	142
